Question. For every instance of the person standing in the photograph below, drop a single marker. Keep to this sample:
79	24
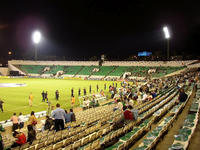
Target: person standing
73	101
15	122
84	91
57	94
72	92
104	86
79	92
21	120
32	120
97	87
31	134
59	115
90	89
46	96
1	105
43	96
30	99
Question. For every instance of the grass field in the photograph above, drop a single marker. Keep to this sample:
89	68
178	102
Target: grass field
16	98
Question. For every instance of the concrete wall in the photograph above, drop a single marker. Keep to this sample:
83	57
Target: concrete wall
4	71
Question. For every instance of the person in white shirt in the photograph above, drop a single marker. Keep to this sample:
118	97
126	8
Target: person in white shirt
21	120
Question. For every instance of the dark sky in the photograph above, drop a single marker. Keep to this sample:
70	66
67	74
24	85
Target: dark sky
81	29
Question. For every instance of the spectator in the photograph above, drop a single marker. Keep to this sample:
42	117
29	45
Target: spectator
31	134
128	115
59	115
1	105
48	123
182	95
67	117
73	117
15	122
21	139
21	120
32	120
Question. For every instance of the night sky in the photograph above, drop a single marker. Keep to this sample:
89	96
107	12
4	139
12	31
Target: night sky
78	30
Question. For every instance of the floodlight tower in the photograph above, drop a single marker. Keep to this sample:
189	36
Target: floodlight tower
167	36
36	40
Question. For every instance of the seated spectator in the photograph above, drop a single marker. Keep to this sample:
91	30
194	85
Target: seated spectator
67	117
128	115
21	139
182	96
73	117
84	104
134	111
31	134
48	123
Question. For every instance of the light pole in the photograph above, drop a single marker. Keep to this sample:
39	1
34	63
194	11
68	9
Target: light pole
167	36
36	40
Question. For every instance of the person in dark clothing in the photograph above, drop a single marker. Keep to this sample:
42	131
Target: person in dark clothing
90	89
84	91
43	96
97	87
79	92
116	84
72	92
46	96
73	117
1	105
48	123
31	134
182	95
105	86
57	94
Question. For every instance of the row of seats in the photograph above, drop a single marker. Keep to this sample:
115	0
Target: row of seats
140	71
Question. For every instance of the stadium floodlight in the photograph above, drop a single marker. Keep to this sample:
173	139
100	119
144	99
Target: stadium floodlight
166	32
36	39
167	36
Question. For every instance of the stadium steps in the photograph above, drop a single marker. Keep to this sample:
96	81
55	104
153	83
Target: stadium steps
19	67
92	73
113	70
79	71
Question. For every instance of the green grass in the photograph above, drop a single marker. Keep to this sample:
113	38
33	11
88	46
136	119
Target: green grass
16	98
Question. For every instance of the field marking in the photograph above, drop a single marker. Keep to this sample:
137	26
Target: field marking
11	110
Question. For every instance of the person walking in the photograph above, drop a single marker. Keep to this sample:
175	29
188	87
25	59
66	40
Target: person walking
57	94
30	99
59	115
73	101
43	96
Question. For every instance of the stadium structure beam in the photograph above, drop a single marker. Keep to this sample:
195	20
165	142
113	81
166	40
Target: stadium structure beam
167	37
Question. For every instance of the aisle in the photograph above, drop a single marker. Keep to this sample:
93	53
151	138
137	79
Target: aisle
168	139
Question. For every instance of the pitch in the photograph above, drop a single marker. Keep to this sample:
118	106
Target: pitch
16	98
